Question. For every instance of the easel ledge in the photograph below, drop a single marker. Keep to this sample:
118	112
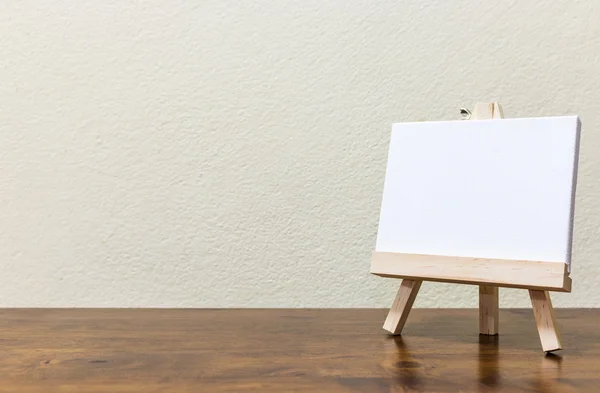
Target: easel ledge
546	276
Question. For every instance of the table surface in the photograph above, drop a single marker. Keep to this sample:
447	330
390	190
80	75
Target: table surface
80	350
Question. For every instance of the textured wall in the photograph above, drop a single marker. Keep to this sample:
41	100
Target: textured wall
221	153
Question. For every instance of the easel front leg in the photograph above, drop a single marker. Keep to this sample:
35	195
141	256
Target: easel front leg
545	320
402	305
488	310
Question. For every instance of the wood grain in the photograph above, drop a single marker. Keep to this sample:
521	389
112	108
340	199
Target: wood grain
487	110
545	320
478	271
488	310
155	351
405	298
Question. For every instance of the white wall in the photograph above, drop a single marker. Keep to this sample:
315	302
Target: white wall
221	153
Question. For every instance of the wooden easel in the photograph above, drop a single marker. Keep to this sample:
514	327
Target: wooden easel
489	274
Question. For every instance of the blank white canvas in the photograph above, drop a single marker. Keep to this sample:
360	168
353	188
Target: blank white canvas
481	188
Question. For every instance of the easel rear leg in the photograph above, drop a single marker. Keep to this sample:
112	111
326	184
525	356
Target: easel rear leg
488	310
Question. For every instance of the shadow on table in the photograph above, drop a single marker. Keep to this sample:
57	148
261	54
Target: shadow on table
413	373
550	372
488	370
409	372
464	329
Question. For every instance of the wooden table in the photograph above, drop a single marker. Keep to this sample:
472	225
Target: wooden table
290	351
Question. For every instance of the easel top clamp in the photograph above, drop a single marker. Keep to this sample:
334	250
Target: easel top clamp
489	274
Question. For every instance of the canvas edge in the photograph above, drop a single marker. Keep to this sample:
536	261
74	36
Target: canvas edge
573	192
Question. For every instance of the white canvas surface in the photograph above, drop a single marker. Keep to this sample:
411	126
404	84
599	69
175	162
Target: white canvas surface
481	188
